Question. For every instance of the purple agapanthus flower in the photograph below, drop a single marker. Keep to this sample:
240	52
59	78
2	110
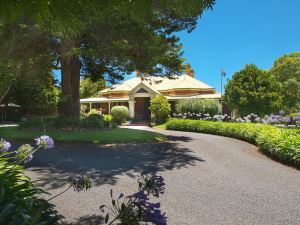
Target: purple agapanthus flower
4	145
25	153
272	119
29	158
45	142
297	117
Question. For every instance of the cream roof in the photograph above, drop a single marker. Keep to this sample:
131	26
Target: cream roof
101	99
160	84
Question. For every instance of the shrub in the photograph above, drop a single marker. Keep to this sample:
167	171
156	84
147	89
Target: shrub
199	106
21	201
91	120
107	120
160	107
64	123
120	114
282	144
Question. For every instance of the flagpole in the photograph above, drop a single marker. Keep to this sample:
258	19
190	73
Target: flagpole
223	74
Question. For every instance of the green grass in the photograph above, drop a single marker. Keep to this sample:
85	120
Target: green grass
118	135
161	126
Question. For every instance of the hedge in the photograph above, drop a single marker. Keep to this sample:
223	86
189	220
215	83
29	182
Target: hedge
280	143
120	114
90	121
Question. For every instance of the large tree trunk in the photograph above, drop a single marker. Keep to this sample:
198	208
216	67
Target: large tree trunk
70	80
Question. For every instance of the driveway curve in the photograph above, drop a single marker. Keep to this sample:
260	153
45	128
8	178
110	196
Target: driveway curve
209	180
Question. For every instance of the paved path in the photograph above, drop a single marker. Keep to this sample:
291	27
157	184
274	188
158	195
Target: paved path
209	180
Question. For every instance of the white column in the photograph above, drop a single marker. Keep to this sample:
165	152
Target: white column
108	107
131	108
90	106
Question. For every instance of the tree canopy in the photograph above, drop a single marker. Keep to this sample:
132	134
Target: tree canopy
90	88
106	39
251	90
286	72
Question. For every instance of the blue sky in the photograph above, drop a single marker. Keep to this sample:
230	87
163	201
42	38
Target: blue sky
239	32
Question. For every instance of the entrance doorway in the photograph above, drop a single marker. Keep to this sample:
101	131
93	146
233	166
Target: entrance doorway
142	111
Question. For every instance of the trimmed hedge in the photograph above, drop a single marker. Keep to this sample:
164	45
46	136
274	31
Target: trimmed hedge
282	144
90	121
120	114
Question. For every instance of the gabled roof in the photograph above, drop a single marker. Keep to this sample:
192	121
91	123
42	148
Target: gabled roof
148	88
160	84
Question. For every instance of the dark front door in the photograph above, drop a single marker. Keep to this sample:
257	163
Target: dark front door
147	113
142	111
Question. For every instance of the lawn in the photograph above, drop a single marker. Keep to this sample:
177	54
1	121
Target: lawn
118	135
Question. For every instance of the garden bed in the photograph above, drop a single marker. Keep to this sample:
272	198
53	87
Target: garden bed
281	144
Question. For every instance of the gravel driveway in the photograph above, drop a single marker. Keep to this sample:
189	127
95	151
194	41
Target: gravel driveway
209	180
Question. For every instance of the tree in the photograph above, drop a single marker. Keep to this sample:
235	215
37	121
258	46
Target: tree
22	53
286	72
88	88
107	38
251	90
160	107
37	95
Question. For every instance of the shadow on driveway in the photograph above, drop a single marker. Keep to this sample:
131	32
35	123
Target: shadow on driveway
87	220
104	163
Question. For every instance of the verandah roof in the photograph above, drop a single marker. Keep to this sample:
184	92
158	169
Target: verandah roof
102	100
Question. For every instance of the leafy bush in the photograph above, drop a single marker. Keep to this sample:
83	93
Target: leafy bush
90	121
199	106
20	199
107	120
64	123
282	144
120	114
160	107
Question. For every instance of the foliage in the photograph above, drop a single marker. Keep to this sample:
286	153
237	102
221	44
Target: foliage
136	208
36	94
103	39
160	107
90	121
83	110
251	90
286	72
120	114
199	106
80	183
90	88
108	120
21	201
282	144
